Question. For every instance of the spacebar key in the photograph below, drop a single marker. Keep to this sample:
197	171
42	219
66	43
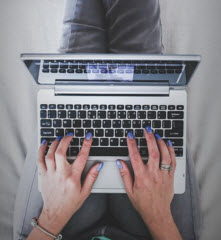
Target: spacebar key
109	151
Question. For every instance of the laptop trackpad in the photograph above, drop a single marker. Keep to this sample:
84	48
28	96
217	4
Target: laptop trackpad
109	178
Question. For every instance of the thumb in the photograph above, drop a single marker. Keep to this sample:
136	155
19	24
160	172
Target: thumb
126	176
90	179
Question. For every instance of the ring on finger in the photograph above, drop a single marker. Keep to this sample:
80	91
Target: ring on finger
166	167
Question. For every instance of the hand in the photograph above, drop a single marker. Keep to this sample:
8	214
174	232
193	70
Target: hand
62	191
152	191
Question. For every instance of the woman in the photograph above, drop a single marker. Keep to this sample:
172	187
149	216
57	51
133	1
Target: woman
118	27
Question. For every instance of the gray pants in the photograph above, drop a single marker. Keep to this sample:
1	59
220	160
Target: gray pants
115	26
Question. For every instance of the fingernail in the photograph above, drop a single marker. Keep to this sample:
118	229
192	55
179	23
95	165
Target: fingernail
59	138
149	130
70	134
130	134
88	135
169	143
120	166
43	142
100	166
158	136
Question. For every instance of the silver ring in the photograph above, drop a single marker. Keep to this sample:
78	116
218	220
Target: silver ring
166	167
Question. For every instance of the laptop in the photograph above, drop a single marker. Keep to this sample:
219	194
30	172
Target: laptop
110	95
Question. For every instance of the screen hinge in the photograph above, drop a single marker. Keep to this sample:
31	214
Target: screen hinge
110	90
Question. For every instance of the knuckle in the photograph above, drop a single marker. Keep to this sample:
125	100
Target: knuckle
94	175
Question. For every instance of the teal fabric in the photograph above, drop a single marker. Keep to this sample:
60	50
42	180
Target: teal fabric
101	238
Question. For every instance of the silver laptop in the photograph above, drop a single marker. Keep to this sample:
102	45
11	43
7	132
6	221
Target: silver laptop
110	95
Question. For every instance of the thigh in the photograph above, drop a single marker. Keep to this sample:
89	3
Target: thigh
83	27
133	26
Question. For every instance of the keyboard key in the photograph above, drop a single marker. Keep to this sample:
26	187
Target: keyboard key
69	130
79	132
166	124
70	70
94	107
146	107
54	65
154	107
79	71
156	124
51	114
109	151
119	132
151	114
45	70
86	123
123	142
111	114
52	106
101	114
74	151
96	123
66	123
171	107
46	65
71	114
47	132
143	142
43	106
86	106
109	132
54	70
77	106
114	142
91	114
63	65
62	70
161	115
99	132
174	133
175	142
74	142
103	107
137	107
95	141
139	132
81	141
56	123
180	107
141	114
59	132
69	106
175	115
116	123
136	124
104	142
127	131
76	123
60	106
143	152
43	113
120	107
82	114
128	107
163	107
61	114
126	123
111	107
178	152
146	123
178	124
131	114
106	123
121	114
89	130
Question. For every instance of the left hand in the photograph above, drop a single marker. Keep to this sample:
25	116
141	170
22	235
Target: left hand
62	191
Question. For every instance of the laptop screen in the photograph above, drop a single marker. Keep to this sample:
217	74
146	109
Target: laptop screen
113	71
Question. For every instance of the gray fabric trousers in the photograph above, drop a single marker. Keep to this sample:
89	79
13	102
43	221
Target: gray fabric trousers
115	26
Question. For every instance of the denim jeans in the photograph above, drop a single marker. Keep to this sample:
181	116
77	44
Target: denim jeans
108	26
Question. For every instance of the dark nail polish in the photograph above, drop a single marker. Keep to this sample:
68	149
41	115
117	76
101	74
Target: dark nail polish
59	138
88	135
158	136
169	143
149	130
130	134
70	134
43	142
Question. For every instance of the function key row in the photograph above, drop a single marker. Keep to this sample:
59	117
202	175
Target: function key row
111	107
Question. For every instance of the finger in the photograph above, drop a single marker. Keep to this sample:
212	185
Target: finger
81	159
153	151
173	157
90	179
50	157
60	153
126	176
164	153
135	158
41	157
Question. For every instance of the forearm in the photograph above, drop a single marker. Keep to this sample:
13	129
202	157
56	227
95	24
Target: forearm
163	228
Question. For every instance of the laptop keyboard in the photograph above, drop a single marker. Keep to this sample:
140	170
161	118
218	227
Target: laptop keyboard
110	124
109	66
